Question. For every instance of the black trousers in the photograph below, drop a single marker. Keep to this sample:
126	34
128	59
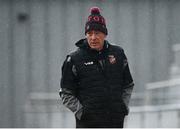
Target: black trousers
95	121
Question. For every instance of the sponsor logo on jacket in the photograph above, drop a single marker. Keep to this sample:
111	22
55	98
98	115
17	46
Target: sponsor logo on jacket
89	63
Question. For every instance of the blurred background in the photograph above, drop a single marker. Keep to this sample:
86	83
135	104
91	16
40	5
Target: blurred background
36	36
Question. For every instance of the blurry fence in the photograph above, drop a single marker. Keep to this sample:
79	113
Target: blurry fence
45	110
161	116
163	92
164	106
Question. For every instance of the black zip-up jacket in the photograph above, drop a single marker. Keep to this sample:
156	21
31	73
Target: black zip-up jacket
96	83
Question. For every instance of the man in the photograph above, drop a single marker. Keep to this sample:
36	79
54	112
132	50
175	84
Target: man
96	83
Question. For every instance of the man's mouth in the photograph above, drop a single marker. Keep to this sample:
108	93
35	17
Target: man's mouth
94	43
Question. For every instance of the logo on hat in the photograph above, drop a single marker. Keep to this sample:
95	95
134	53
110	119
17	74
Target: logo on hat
112	59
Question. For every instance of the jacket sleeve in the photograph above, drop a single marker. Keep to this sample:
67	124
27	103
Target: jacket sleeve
128	83
68	88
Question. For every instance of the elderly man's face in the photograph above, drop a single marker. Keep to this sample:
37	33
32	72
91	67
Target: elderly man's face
95	39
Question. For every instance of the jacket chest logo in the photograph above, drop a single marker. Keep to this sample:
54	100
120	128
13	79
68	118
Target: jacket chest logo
89	63
112	59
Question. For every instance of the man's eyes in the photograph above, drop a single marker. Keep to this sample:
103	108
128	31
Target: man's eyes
96	33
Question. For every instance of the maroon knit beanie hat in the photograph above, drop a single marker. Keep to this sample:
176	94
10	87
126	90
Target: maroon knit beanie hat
95	21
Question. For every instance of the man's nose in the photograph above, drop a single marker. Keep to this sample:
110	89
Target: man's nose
93	36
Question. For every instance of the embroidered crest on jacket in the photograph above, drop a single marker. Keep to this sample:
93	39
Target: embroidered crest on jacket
112	59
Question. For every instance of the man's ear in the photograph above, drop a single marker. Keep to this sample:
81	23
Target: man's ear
105	36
